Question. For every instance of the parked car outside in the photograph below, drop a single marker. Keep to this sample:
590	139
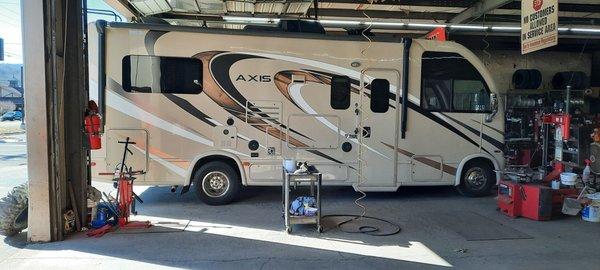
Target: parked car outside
12	116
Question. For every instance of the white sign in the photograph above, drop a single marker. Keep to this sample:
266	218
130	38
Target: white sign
539	24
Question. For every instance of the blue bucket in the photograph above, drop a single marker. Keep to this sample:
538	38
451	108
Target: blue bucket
289	165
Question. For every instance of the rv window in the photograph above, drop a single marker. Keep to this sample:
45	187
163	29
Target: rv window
471	96
158	74
380	95
449	83
340	92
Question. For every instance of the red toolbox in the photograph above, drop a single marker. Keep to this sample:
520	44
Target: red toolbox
533	201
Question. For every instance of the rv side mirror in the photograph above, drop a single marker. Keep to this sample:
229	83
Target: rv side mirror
494	107
196	82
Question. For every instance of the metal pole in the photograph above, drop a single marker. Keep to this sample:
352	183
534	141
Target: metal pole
568	100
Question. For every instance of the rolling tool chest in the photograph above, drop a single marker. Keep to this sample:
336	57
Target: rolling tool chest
312	182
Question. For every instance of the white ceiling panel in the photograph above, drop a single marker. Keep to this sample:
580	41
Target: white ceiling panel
298	7
269	7
151	7
239	6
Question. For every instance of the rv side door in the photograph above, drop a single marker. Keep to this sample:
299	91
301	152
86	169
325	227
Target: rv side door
377	121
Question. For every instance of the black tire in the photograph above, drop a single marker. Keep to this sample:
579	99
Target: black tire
576	79
477	179
224	187
521	79
535	79
13	211
527	79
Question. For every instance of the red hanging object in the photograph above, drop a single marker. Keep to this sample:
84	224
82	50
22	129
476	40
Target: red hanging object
438	33
93	124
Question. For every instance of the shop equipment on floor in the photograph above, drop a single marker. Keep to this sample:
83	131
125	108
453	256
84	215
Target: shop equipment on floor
311	181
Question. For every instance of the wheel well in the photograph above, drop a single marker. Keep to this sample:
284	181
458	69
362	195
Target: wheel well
469	163
229	161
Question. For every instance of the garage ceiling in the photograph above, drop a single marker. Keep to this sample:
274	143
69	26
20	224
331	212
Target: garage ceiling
583	14
578	12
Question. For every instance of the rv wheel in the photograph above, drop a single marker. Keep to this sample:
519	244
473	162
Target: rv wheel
217	183
477	179
13	211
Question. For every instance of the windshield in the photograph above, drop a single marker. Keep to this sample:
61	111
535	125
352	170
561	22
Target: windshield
450	83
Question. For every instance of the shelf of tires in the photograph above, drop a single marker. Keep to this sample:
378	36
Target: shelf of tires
528	99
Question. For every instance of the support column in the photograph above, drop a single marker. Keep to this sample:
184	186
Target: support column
39	214
55	64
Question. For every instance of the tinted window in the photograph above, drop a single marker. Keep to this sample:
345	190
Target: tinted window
157	74
340	92
449	83
380	95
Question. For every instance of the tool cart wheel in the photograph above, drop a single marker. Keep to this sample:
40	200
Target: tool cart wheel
288	229
477	179
319	229
217	183
13	211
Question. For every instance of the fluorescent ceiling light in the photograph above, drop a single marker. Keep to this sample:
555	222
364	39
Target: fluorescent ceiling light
339	22
388	24
585	30
250	19
506	28
469	27
563	29
342	22
427	25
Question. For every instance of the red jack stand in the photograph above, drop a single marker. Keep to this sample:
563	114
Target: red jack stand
126	198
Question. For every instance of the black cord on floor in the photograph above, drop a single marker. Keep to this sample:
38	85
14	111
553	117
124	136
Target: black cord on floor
366	229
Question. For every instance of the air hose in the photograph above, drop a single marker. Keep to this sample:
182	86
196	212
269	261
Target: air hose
366	229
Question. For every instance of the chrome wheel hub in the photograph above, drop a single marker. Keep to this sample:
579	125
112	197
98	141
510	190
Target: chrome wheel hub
476	178
215	184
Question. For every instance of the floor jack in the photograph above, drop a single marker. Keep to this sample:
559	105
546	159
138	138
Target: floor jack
126	198
537	201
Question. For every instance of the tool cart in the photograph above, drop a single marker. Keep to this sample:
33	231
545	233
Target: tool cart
312	181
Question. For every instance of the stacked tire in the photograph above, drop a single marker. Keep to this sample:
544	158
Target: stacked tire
13	211
527	79
575	79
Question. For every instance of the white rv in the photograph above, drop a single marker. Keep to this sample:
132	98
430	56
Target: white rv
217	109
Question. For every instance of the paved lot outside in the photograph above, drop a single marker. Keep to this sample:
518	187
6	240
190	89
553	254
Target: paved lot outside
10	127
13	161
13	172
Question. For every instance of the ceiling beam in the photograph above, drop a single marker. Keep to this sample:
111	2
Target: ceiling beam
561	7
478	10
380	14
432	3
436	16
571	7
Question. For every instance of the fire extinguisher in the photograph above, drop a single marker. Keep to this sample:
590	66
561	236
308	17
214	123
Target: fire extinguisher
93	124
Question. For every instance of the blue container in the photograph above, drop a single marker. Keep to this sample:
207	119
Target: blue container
289	165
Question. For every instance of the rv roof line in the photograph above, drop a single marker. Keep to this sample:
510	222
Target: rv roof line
195	29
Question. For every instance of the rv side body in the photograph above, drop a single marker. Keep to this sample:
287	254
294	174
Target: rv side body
276	88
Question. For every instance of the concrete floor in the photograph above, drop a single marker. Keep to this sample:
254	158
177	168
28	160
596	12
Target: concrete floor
249	235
